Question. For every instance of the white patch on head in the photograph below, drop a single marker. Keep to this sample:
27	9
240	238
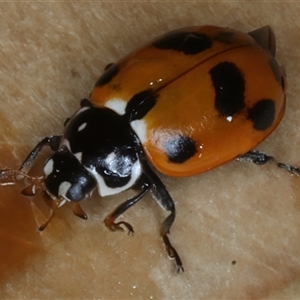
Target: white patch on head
82	126
78	156
140	128
104	190
117	105
63	189
48	167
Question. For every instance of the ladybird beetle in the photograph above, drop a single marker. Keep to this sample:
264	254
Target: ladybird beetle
185	103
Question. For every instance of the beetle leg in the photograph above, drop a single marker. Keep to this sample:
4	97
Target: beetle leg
260	158
257	157
163	198
290	169
110	219
53	142
11	176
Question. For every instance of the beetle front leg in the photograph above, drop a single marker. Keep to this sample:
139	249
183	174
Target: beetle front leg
52	141
11	176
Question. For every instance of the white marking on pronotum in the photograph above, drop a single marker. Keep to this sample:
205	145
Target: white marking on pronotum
110	158
140	128
48	168
117	105
104	190
82	126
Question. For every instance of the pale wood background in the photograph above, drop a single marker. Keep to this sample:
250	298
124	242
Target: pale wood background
50	56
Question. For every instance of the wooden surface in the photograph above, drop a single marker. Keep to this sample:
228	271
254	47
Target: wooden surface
237	227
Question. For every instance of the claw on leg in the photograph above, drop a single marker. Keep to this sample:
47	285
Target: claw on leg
110	224
165	230
110	219
172	253
79	212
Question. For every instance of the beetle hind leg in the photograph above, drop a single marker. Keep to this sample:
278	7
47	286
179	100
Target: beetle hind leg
261	158
256	157
290	169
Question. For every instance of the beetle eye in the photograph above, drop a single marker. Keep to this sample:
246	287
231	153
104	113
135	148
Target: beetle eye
66	177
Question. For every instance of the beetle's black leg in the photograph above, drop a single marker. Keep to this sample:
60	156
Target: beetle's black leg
10	176
290	169
110	219
257	157
14	175
260	158
52	141
162	196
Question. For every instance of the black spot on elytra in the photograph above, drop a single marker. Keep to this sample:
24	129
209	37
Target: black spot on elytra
277	71
189	43
140	104
229	85
108	75
262	114
180	149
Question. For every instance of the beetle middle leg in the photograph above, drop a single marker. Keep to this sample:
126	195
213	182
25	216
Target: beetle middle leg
110	219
